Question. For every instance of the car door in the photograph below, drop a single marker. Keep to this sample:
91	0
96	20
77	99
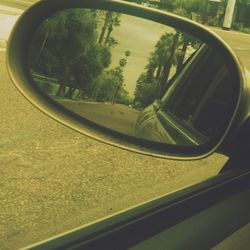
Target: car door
195	106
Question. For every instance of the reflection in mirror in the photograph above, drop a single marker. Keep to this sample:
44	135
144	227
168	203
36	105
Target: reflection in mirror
132	75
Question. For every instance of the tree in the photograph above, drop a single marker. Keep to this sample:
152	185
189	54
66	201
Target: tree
168	64
161	56
162	59
111	20
151	83
186	7
168	56
105	26
65	47
108	85
185	41
145	91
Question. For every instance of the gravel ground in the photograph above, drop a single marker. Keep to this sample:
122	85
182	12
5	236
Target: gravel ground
54	179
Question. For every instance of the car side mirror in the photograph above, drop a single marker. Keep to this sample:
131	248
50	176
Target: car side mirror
133	77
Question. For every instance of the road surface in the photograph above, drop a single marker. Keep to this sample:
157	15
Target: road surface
117	117
54	179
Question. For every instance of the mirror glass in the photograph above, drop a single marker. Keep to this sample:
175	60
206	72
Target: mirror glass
133	75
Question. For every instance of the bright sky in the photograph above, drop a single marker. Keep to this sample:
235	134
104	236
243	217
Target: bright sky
139	36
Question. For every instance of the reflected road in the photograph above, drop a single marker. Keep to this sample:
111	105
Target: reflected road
118	117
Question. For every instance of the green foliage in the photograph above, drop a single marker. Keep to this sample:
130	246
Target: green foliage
187	5
145	92
244	1
65	47
109	87
193	5
168	57
149	84
237	26
137	1
105	86
107	21
50	88
127	53
246	30
122	62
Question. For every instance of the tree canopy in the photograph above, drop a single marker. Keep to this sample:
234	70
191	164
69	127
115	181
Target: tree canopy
74	47
65	48
168	58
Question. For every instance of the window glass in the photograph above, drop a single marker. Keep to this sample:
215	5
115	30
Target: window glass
210	88
54	179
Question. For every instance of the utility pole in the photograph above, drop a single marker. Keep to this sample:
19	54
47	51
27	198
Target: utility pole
229	14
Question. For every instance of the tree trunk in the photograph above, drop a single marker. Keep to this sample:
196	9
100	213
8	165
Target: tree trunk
94	92
110	29
70	92
104	28
158	73
181	58
168	65
114	96
61	91
204	14
81	94
151	71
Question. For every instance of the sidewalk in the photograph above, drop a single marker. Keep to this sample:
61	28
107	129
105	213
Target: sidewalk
8	18
217	28
3	44
10	11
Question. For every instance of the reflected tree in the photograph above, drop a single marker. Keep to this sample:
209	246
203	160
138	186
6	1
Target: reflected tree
111	20
109	86
167	59
152	82
66	48
186	41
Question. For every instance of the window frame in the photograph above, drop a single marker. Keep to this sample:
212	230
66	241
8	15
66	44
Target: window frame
178	126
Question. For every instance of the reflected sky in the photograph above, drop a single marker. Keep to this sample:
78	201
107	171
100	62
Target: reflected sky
139	36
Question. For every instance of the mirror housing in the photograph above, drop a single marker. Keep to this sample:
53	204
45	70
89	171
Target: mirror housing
17	64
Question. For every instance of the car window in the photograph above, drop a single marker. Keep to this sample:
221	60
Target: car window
209	87
54	179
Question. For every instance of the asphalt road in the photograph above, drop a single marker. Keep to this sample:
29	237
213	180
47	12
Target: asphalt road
54	179
117	117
